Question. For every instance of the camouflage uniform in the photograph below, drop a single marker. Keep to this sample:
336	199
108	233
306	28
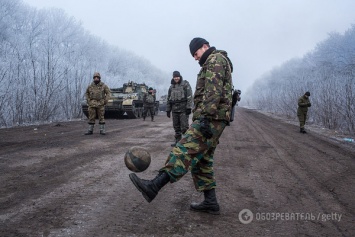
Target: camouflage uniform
303	104
97	96
149	105
212	100
179	102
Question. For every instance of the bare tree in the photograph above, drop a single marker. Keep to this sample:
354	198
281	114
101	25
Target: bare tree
47	61
327	71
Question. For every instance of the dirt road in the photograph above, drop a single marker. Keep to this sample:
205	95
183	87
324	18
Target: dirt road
55	181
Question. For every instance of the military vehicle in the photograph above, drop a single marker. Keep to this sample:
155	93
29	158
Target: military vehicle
125	102
162	102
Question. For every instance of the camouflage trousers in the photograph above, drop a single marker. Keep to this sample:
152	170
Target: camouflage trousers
180	123
194	152
150	109
302	116
96	112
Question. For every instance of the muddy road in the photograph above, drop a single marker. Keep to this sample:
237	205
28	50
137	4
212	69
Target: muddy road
272	181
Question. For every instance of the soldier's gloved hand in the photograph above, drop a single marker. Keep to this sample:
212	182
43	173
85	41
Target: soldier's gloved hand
205	128
188	111
309	104
168	113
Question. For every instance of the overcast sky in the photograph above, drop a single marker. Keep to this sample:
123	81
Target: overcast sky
257	34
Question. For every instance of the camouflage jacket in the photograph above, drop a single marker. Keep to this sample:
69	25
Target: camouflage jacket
303	104
148	100
213	95
179	96
97	95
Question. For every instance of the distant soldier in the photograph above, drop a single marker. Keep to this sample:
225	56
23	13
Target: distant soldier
180	103
303	104
149	104
97	95
235	99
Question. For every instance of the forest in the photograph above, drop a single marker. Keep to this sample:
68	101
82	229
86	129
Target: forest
48	60
327	72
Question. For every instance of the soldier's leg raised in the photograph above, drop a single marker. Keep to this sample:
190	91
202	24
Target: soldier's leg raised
179	162
150	188
191	148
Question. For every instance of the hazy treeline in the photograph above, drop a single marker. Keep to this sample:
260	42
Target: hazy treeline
328	72
47	60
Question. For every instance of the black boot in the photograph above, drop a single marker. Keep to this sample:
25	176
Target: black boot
209	205
302	130
150	188
152	119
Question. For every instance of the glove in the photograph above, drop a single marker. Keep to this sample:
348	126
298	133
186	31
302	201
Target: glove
188	111
309	104
168	113
205	128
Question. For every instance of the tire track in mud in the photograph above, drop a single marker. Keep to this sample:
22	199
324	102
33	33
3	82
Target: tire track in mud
308	174
261	164
73	197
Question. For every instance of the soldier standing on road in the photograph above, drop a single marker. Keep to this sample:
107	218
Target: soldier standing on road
149	104
211	114
97	95
303	104
236	96
180	103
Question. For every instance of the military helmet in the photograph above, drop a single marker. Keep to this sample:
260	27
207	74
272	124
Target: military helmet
96	74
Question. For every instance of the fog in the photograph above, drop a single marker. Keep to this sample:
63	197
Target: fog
258	35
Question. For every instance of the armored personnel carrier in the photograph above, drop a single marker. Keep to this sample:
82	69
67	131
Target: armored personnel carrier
162	102
125	103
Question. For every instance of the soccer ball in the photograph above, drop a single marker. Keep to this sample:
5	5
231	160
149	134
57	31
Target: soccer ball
137	159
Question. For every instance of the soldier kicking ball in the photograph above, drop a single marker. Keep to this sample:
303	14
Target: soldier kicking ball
211	114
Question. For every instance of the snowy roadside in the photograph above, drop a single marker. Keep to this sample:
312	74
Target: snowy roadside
335	135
